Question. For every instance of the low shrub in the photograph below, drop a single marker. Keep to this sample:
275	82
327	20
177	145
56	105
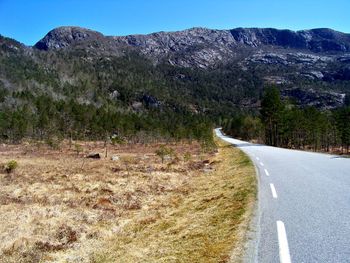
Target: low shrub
10	166
164	151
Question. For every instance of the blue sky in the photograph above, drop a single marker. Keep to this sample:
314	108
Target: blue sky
29	20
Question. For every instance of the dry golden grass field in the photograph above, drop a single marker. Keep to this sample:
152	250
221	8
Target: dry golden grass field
58	206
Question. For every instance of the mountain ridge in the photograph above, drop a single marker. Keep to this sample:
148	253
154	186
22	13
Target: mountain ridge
324	31
198	46
239	34
310	66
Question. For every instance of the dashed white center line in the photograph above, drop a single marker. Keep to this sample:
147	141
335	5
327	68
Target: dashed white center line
267	173
273	190
283	243
261	164
257	158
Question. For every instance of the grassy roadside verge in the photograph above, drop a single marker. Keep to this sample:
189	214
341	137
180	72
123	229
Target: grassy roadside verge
205	225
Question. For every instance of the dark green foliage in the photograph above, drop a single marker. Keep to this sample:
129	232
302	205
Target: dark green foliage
271	109
247	127
343	124
285	125
10	166
347	100
3	92
59	118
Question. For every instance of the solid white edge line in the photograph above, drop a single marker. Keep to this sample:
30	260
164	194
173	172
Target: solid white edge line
261	164
273	190
283	243
267	173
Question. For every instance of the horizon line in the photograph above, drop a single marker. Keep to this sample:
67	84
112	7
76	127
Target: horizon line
174	31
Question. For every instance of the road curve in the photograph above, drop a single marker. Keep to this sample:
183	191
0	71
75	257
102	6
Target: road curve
304	204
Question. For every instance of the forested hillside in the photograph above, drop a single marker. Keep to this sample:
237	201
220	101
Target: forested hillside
284	124
78	83
124	95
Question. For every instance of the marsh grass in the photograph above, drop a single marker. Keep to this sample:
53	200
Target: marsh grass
62	207
204	226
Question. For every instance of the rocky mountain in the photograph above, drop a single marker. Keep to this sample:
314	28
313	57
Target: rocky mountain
202	47
66	36
228	67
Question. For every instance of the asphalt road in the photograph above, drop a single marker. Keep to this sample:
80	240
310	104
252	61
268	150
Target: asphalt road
303	210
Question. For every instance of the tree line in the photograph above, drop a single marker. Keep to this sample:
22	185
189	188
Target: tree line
283	124
46	118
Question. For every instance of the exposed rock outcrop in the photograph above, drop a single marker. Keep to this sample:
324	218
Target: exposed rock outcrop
202	47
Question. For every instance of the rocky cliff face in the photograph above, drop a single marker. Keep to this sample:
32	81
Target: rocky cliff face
63	37
202	47
315	40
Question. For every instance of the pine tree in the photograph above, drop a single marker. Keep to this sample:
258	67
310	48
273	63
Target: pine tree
271	110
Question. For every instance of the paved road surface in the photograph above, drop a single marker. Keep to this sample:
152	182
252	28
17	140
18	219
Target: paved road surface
304	205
